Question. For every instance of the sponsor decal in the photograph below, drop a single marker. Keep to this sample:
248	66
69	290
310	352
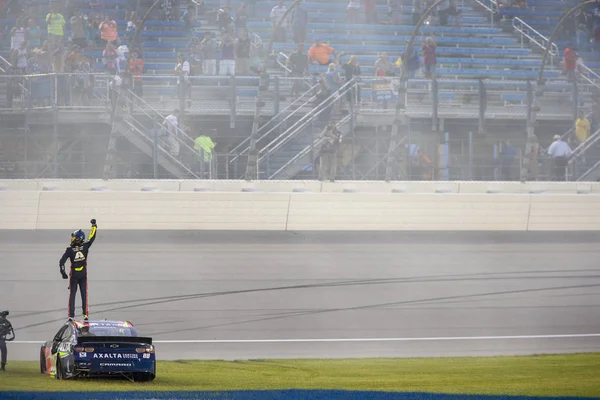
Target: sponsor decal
82	354
115	365
113	355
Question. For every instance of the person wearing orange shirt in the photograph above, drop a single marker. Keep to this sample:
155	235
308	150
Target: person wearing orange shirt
319	53
136	69
108	30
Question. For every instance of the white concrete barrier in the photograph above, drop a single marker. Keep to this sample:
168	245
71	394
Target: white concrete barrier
164	210
369	212
18	209
565	212
300	205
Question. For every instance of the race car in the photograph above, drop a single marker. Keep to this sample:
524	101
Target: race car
98	348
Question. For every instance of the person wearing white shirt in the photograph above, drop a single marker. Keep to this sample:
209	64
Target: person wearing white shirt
353	11
560	152
276	15
171	124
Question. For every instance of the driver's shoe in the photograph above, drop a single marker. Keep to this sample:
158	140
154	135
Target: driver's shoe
2	368
85	317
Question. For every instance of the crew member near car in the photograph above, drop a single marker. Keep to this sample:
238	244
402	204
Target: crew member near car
7	334
77	253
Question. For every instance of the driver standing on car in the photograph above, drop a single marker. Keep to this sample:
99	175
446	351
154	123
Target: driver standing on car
78	253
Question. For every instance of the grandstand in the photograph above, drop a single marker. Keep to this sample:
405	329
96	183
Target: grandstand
480	56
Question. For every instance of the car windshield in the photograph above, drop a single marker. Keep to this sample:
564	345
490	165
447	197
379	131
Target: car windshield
105	329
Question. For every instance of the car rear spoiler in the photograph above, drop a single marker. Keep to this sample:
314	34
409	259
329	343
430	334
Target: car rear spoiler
114	339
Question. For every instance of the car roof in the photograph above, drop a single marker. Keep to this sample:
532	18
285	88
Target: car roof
125	324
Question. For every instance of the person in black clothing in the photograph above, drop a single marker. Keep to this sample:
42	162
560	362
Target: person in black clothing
298	64
78	253
352	70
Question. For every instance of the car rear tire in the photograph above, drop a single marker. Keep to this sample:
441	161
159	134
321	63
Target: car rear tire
143	377
42	361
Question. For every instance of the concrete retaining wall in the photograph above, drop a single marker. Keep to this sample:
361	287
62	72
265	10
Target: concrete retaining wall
296	206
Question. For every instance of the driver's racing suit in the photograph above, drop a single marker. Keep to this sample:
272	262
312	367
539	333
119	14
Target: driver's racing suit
78	274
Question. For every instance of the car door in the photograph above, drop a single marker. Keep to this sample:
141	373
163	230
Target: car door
65	349
53	350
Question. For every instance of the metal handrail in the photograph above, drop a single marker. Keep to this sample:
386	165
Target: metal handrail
282	139
581	149
595	78
158	114
4	60
526	30
492	7
284	66
308	148
256	40
266	134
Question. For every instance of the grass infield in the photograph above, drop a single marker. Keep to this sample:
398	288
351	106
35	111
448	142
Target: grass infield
548	375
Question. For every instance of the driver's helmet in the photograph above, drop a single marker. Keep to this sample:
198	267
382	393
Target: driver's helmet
77	238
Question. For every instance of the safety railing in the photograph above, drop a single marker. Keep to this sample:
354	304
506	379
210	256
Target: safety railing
585	158
588	75
308	118
283	65
314	147
526	31
159	135
294	109
491	6
5	65
60	90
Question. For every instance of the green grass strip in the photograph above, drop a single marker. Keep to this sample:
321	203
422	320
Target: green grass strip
548	375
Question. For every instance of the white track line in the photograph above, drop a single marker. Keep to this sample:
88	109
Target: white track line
408	339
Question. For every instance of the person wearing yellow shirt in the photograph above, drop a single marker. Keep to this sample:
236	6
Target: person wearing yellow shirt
582	128
204	147
56	25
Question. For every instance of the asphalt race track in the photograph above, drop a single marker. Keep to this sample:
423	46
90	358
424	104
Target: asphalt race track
228	295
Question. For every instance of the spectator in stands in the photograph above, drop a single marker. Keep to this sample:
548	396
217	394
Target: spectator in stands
417	9
530	160
225	20
170	126
243	47
209	55
583	39
188	18
136	70
352	71
110	58
91	31
332	139
78	30
319	53
166	7
131	26
371	11
182	71
334	82
17	36
353	11
412	61
560	152
570	63
429	58
56	25
384	64
299	23
241	17
82	83
194	50
19	57
33	35
108	30
582	128
279	34
298	64
395	11
227	61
